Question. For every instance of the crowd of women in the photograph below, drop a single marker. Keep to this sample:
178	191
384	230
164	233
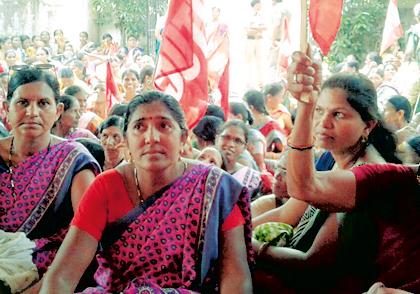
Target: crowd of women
299	188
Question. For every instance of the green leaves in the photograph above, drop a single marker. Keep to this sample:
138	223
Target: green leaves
135	17
360	30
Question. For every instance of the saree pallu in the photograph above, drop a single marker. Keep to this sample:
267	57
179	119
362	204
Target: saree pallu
250	178
272	132
42	206
172	242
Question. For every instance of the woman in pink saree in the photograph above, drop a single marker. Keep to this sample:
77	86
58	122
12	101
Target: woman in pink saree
42	177
164	226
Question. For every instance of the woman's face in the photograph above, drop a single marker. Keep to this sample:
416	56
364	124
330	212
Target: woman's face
10	58
32	110
273	101
154	138
393	118
376	79
112	140
70	117
41	56
130	82
337	125
231	142
8	44
211	156
389	72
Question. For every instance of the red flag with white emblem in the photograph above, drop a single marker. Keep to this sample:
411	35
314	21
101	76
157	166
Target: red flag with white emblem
181	70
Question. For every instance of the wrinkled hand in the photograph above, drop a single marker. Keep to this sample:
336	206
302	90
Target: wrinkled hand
304	77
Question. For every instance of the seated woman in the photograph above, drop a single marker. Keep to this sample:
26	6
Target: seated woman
66	125
88	120
337	258
42	177
206	130
386	196
266	203
274	98
111	134
274	134
157	217
254	155
347	124
231	141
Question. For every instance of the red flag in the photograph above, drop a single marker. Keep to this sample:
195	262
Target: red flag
111	91
325	19
182	67
392	29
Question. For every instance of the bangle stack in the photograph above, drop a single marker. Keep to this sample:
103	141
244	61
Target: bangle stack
298	148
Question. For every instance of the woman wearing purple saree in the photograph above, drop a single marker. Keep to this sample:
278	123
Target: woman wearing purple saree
42	177
164	226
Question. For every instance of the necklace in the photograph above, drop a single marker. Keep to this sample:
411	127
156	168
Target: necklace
139	194
10	166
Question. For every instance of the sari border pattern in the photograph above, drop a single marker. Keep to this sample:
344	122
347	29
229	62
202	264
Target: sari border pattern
50	195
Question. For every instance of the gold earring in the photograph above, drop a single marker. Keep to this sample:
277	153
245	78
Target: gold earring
363	140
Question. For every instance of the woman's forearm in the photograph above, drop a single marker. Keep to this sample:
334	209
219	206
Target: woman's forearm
300	166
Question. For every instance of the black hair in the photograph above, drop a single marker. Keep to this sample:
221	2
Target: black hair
353	64
215	110
149	97
119	109
374	56
146	71
239	108
361	95
206	128
58	31
235	123
401	103
112	121
273	89
414	143
31	75
84	33
255	99
106	35
66	72
73	90
68	101
132	71
94	148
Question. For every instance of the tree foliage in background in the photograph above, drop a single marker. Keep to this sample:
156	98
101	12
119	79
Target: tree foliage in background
360	31
129	16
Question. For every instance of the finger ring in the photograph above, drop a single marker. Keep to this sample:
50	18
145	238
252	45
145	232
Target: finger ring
295	78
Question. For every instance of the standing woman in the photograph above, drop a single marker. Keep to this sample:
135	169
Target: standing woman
162	223
111	134
42	177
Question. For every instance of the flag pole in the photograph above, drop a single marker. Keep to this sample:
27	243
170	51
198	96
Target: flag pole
304	37
303	26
